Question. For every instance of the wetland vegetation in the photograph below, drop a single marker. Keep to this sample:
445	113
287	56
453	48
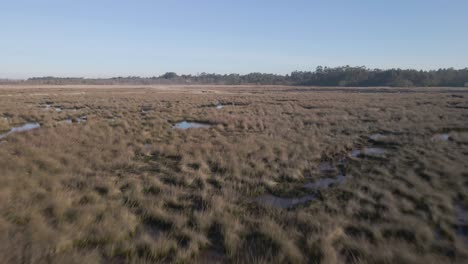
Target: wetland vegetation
280	174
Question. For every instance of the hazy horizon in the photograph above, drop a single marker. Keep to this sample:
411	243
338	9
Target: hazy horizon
198	73
148	38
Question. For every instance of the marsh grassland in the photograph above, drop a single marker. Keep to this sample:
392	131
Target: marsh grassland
268	175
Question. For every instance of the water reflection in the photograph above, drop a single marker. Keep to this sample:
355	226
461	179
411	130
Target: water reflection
187	125
283	203
325	182
19	129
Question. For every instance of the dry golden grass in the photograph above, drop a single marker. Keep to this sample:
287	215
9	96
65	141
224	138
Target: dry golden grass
124	186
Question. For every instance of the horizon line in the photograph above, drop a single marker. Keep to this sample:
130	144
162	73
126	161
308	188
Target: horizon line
203	72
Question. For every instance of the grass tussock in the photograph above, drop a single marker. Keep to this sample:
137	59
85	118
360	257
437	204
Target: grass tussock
123	186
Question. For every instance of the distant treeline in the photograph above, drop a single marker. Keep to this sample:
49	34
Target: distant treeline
322	76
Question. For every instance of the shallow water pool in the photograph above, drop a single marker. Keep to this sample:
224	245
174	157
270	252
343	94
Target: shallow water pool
284	203
22	128
187	125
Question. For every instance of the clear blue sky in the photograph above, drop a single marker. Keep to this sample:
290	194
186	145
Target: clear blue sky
102	38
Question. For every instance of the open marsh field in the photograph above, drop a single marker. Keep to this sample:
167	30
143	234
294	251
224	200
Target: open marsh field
233	174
